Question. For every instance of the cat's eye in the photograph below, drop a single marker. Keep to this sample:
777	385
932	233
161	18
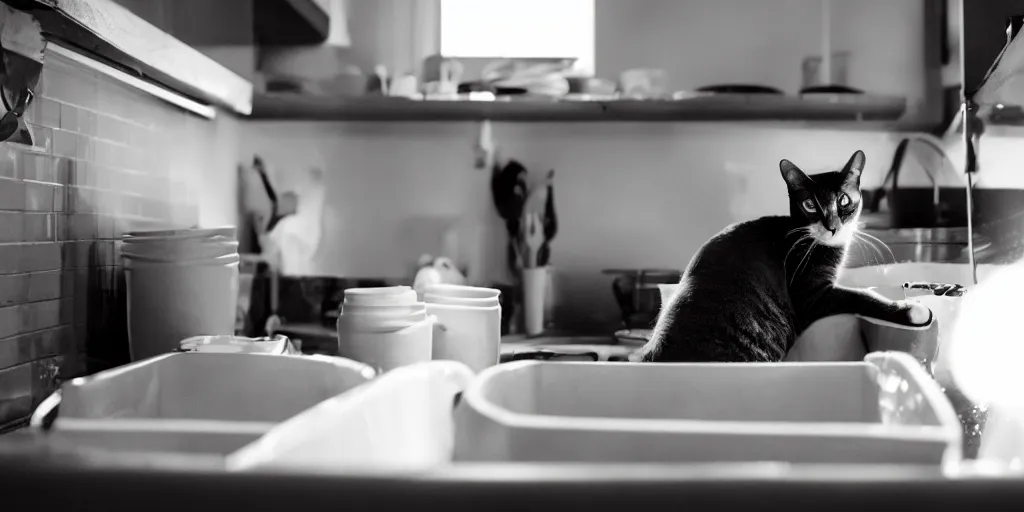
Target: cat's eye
844	200
809	205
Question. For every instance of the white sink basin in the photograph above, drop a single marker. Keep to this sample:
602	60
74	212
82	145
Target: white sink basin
604	346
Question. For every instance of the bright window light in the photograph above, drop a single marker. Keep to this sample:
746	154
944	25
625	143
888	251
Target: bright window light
519	29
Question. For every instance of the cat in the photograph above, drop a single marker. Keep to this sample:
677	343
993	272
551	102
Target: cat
750	290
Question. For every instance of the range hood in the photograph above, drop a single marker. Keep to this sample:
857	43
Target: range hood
983	25
1003	83
201	23
291	22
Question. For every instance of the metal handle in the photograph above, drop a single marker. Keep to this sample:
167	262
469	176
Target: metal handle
44	415
933	142
971	136
897	164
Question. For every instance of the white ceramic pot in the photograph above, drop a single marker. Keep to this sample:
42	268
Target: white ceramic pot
169	302
430	298
379	323
227	232
386	349
139	262
470	335
397	310
383	296
178	250
381	309
462	291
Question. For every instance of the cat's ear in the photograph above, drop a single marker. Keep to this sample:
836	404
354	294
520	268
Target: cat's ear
794	177
855	166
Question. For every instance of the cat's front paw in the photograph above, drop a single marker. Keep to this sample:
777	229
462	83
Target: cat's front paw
914	313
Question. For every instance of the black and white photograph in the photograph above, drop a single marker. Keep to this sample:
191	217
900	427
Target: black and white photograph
522	255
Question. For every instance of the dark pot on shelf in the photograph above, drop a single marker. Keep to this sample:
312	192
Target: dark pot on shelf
638	296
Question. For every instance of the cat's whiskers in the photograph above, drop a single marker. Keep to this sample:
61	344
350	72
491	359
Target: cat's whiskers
877	256
872	237
804	260
805	236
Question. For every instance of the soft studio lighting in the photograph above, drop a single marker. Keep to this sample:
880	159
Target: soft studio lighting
986	349
519	28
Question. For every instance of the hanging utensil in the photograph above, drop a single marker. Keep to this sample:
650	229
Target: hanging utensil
508	190
550	222
539	202
484	150
536	200
533	237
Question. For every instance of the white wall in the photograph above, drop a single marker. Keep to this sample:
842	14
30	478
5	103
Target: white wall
628	194
701	42
698	42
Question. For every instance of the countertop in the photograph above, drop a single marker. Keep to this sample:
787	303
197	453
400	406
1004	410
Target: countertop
89	480
606	347
92	484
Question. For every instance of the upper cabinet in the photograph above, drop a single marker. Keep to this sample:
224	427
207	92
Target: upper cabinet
574	60
984	36
239	22
291	22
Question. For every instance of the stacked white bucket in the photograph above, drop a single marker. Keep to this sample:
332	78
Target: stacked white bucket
181	283
390	327
385	327
468	324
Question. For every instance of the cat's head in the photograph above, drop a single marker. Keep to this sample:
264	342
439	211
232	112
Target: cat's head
829	203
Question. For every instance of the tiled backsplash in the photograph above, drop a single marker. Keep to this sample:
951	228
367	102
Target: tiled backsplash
106	158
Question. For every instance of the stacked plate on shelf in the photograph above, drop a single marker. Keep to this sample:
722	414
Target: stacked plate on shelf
181	283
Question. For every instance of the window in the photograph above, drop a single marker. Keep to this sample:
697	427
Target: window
519	28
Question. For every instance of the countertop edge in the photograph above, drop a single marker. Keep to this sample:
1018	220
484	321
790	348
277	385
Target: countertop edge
114	35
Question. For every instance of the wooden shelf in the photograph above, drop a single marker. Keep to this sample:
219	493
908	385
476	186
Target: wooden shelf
835	109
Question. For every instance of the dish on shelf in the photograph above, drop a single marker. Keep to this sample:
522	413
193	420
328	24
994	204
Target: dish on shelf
685	106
